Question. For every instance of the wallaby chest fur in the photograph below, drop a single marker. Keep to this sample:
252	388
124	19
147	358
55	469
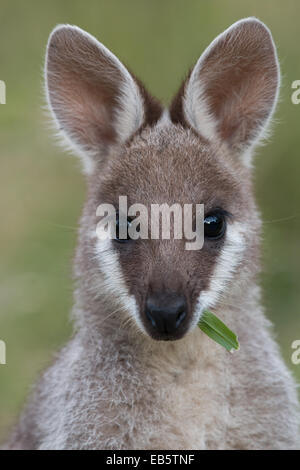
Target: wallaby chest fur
109	394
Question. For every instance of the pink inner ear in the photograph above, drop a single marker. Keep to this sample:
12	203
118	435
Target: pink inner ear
84	88
233	87
96	101
240	80
85	108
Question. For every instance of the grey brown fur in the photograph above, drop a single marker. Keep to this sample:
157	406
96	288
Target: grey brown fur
113	386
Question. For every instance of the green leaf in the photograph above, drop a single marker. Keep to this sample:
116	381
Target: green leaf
218	331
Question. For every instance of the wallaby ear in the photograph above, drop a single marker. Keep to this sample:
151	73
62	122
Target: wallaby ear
96	102
232	91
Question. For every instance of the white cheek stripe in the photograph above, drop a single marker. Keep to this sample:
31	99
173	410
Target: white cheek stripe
230	258
114	282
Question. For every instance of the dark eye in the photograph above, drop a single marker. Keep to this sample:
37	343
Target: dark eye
118	229
214	225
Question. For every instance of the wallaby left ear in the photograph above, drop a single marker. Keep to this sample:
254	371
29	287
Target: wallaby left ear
96	102
232	91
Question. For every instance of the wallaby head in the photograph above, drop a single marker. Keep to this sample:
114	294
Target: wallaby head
197	152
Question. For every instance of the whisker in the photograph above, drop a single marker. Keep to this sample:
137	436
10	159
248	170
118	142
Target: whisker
62	226
119	309
283	219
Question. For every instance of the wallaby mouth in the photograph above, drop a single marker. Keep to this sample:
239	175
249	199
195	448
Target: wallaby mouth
166	316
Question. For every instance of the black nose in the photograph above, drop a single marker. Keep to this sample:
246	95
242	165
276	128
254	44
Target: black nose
166	312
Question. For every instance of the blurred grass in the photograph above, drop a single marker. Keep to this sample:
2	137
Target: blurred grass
42	190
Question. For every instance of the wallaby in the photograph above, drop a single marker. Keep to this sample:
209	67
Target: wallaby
138	372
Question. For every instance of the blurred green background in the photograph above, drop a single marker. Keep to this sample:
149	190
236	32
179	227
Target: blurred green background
42	190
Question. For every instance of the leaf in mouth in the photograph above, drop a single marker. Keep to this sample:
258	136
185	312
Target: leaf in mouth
218	331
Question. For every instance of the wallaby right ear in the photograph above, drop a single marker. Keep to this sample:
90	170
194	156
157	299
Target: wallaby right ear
96	102
231	93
